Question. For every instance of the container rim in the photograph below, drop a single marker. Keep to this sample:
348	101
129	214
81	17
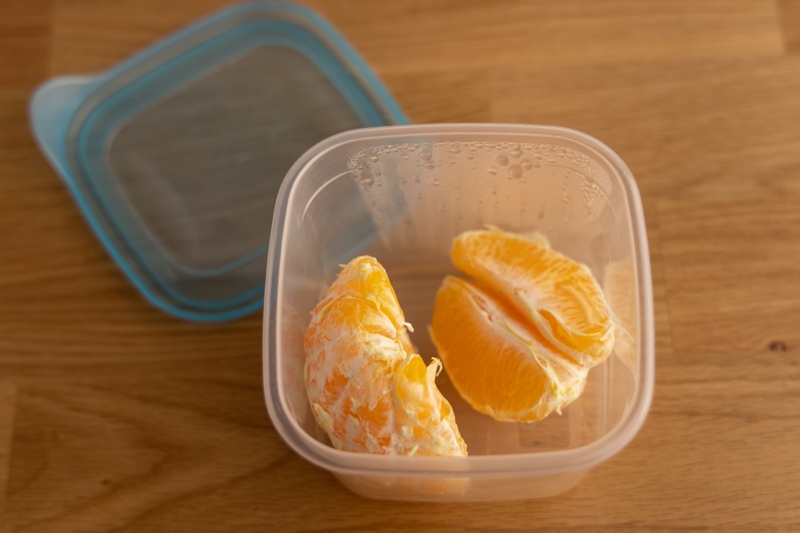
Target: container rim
507	465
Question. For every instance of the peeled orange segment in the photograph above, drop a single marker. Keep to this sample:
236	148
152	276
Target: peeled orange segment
355	347
499	363
427	425
558	294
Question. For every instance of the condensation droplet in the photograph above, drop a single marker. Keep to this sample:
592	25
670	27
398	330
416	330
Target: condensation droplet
566	198
526	164
425	155
492	170
373	158
454	149
515	151
502	160
514	171
537	155
429	165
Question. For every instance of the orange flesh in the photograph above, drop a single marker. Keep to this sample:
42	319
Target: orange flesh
559	295
499	363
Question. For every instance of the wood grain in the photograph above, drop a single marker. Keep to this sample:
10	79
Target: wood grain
789	17
116	417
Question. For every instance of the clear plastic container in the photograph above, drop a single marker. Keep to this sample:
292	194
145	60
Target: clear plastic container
401	193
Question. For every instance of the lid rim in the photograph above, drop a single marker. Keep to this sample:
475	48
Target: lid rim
98	212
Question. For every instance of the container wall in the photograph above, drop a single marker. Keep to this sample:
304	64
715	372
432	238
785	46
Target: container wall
404	202
402	198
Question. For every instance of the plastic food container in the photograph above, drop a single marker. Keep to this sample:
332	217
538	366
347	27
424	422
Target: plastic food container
175	155
401	193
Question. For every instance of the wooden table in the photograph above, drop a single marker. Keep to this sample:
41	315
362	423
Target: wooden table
115	416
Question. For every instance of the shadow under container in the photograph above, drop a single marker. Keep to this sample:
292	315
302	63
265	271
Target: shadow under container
401	194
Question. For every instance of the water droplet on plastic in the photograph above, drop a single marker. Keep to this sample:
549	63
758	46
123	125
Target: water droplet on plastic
502	160
373	158
566	198
455	149
492	170
429	165
526	164
537	155
515	151
425	155
514	171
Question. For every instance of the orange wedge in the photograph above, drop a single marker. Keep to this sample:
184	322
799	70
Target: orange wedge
368	389
558	295
499	363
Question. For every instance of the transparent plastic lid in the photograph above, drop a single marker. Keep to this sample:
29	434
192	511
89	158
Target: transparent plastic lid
176	156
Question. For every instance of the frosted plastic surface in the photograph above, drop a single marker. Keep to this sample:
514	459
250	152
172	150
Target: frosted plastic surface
402	194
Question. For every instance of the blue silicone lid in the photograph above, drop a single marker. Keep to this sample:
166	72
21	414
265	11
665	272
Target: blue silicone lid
175	156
